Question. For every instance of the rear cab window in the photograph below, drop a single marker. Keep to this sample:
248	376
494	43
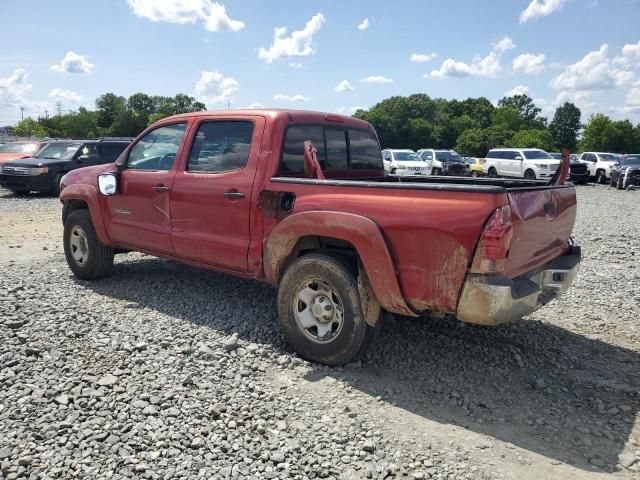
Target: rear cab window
338	149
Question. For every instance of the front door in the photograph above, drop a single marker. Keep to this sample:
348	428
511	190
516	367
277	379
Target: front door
211	196
139	213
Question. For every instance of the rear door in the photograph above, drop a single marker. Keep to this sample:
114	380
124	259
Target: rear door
542	223
211	196
139	214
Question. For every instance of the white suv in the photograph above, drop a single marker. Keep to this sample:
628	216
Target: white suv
529	163
599	164
403	163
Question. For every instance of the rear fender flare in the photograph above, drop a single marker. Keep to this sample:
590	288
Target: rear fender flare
89	195
361	232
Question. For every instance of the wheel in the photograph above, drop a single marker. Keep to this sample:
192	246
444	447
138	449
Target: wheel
493	173
475	174
601	178
88	259
436	171
620	183
320	312
613	183
530	175
55	189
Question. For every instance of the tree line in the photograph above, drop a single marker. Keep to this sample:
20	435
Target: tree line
114	116
474	126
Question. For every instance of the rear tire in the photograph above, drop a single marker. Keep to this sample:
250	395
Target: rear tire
88	259
436	172
55	189
320	312
493	173
530	175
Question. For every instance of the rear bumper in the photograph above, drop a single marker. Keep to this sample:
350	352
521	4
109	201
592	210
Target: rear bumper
489	300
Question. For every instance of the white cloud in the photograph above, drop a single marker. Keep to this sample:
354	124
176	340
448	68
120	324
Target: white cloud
632	102
376	79
422	58
540	8
630	57
73	63
350	110
15	85
298	44
364	24
252	106
295	65
503	45
291	98
529	63
343	86
213	87
61	95
593	72
519	90
583	99
213	14
13	91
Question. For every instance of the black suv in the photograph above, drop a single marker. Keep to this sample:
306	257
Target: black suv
626	172
43	171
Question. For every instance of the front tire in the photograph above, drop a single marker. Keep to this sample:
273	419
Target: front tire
55	189
601	178
492	172
530	175
87	258
320	312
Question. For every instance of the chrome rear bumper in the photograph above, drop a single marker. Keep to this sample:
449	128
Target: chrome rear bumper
490	300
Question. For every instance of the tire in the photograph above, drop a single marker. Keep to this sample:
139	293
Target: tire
493	173
55	189
601	178
613	183
530	175
436	172
18	192
317	281
475	174
620	183
87	258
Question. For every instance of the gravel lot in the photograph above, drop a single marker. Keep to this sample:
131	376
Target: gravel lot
164	371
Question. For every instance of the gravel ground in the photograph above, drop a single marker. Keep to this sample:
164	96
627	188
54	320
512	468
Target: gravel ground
164	371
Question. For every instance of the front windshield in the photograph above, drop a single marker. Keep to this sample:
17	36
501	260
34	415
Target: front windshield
609	157
448	156
630	160
19	148
470	160
406	157
537	155
58	151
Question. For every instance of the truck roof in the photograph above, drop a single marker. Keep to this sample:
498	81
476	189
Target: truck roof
298	116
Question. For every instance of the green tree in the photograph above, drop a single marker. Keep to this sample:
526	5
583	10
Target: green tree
619	137
593	135
532	139
565	126
528	111
476	142
479	109
109	107
507	118
30	128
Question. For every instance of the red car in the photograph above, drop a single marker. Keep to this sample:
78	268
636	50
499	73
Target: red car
19	149
301	200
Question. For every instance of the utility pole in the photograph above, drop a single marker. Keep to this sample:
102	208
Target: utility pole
46	114
59	108
22	113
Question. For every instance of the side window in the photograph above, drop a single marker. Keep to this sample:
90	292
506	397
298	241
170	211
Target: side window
221	147
364	150
495	154
111	151
293	152
89	151
337	156
157	149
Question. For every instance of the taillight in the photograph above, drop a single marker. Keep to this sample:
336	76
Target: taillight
493	247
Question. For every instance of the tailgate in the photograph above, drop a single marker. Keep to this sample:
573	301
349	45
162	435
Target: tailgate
542	223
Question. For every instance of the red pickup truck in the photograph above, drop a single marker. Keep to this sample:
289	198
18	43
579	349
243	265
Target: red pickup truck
230	191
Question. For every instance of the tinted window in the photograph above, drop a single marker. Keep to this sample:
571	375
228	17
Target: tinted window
426	154
365	151
495	154
337	157
221	147
111	151
157	149
536	155
507	155
293	153
58	150
448	155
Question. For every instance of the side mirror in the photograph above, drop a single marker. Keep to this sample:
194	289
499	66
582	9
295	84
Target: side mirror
518	157
108	183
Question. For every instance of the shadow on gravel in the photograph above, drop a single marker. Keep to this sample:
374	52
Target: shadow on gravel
535	385
25	196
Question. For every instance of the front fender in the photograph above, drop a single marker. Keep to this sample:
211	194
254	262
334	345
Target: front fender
363	233
89	195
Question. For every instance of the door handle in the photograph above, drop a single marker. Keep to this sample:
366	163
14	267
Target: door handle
233	195
160	188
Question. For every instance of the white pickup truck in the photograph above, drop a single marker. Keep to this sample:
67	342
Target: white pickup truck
404	163
599	164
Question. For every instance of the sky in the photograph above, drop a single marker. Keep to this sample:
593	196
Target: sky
329	55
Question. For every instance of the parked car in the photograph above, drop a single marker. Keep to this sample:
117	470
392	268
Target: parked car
527	163
19	149
475	166
600	164
444	162
403	162
578	170
341	246
42	172
626	172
